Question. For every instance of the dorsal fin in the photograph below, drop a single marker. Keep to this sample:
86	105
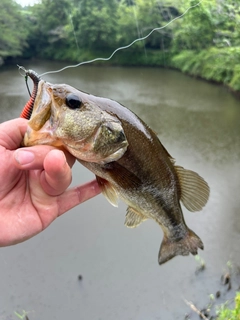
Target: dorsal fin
194	189
133	218
108	191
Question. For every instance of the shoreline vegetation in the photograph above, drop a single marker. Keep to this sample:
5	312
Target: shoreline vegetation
204	43
229	290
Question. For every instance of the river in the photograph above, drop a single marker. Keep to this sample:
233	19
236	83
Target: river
199	124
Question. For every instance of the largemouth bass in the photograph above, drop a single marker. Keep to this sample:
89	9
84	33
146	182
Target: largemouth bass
126	156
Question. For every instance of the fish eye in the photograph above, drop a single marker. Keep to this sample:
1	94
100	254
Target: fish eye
73	101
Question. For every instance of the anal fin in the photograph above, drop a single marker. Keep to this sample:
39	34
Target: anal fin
133	218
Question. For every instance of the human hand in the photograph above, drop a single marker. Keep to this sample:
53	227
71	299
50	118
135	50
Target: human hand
33	185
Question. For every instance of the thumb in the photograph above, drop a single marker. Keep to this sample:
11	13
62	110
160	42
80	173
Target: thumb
31	158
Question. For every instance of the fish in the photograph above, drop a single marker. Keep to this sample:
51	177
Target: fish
127	157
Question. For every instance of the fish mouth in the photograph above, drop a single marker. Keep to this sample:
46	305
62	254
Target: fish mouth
39	116
28	108
36	110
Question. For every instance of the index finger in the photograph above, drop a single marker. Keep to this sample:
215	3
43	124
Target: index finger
77	195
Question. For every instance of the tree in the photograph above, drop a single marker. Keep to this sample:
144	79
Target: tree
226	15
138	18
12	29
95	24
195	31
47	22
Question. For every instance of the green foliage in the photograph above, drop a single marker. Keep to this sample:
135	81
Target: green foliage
214	64
235	81
12	29
138	20
46	22
195	31
224	313
207	42
75	30
94	24
226	17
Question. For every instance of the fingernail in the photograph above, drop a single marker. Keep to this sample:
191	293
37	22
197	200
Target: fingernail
24	157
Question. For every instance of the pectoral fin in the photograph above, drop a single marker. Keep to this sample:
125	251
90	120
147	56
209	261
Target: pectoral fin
194	189
108	191
133	218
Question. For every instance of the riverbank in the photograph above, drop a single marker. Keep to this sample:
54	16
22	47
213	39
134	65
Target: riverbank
218	65
213	65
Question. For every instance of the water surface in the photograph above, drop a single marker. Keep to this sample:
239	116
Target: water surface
198	123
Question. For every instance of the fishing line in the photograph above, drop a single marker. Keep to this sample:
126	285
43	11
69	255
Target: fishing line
123	47
25	75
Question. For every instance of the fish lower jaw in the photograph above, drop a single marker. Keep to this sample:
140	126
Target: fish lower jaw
35	138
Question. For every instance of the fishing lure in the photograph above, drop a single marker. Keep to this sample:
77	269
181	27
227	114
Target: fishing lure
27	110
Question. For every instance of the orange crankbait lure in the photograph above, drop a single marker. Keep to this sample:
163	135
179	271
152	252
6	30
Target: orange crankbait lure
27	110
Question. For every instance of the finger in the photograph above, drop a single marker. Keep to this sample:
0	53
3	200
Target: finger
76	195
32	158
56	176
12	132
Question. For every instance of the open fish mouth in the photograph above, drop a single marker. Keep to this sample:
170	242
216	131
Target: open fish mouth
37	110
28	108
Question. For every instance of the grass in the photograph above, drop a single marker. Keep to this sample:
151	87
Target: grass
22	316
213	64
224	313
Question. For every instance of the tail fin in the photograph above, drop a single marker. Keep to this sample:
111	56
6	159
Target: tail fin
171	248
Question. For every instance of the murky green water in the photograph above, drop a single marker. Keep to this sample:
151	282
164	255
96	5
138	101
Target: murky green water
199	124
